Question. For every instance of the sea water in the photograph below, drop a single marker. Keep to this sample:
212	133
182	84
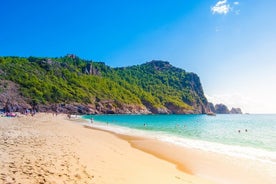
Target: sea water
250	136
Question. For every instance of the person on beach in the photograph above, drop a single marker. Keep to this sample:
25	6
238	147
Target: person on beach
33	112
91	121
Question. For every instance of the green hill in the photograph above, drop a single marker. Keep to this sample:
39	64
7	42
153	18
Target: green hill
72	85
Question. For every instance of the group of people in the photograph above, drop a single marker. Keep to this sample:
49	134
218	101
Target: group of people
26	112
244	130
9	114
31	112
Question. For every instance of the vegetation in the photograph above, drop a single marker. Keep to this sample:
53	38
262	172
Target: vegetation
69	79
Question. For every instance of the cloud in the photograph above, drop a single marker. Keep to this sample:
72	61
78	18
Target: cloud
221	7
236	3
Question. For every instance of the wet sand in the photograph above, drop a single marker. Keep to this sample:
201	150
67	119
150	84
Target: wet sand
218	168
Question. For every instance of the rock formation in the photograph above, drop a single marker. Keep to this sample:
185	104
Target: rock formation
235	111
223	109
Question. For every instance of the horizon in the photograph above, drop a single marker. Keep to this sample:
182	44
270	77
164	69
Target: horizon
228	44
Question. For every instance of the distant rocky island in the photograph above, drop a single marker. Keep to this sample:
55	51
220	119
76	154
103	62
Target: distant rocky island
70	84
223	109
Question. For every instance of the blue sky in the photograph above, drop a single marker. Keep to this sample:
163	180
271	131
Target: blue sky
229	44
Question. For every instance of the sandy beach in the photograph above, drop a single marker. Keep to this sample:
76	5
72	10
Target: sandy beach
54	149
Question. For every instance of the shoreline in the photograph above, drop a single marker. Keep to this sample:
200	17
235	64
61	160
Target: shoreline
215	166
239	151
132	139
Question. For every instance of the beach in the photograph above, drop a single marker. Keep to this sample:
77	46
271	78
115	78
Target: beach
54	149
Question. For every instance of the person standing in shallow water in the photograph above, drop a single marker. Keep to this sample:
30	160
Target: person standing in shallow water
91	121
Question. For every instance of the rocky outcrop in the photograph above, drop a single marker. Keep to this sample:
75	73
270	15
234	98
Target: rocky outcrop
223	109
114	107
12	101
211	107
173	109
90	70
235	111
10	97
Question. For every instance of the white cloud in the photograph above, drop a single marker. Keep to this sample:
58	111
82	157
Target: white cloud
236	3
221	7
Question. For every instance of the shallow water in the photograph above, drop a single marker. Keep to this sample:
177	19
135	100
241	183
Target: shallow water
240	135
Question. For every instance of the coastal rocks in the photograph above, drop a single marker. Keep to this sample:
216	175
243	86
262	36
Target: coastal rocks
115	107
223	109
212	107
173	108
161	110
66	108
235	111
101	107
10	97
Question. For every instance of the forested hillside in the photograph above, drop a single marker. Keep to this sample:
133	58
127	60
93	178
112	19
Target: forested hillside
72	85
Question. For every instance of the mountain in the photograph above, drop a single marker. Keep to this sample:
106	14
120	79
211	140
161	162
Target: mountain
72	85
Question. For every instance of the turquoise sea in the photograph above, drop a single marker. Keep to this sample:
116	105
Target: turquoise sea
245	135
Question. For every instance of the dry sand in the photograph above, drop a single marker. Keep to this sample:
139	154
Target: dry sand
53	149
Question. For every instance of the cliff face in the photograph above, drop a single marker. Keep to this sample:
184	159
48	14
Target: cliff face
10	97
174	90
212	107
72	85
